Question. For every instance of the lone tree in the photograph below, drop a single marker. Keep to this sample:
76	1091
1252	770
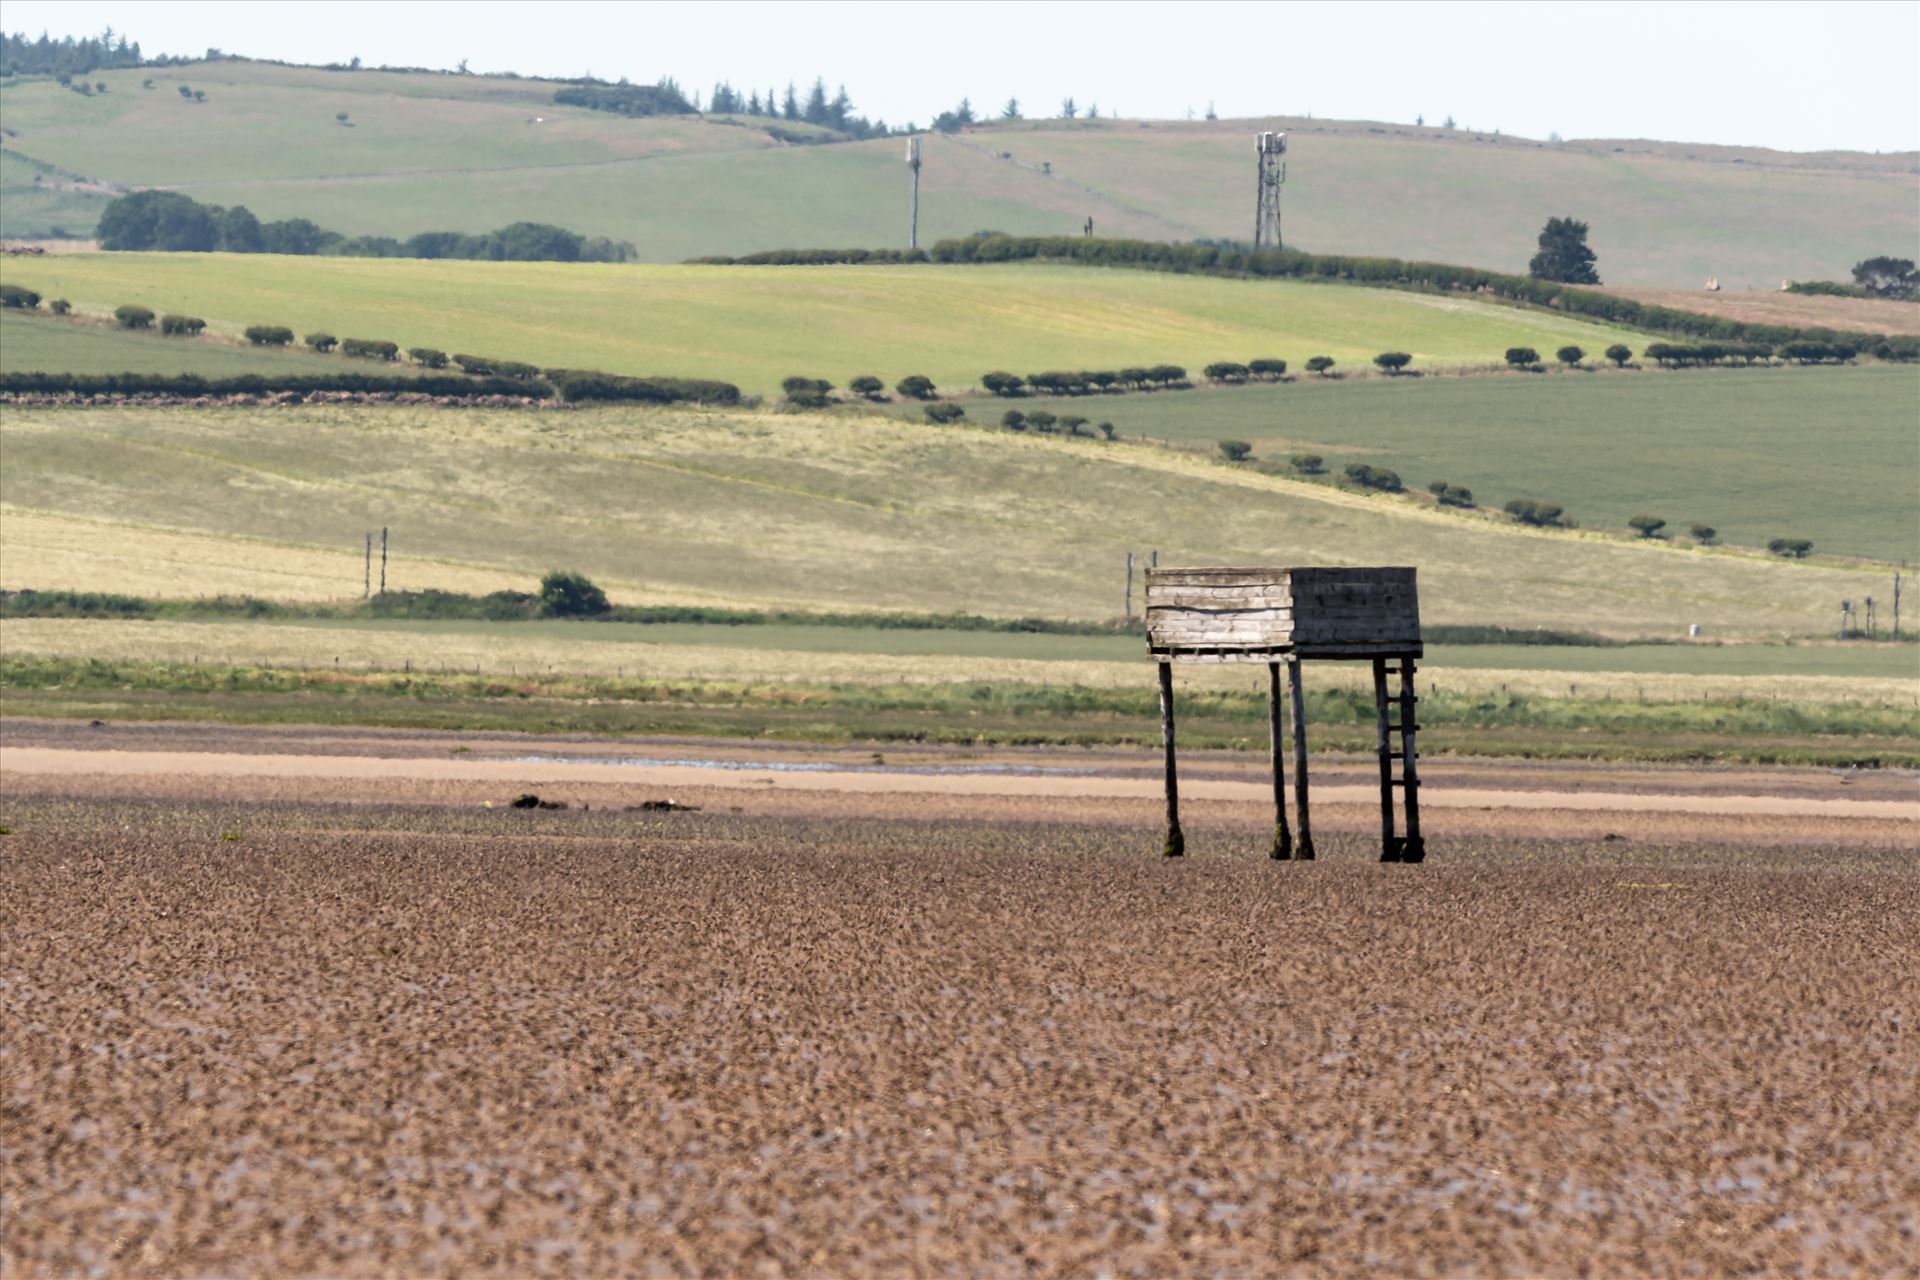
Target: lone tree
1704	534
1570	355
1564	255
917	387
1319	365
1647	526
1888	277
1236	450
1522	357
1307	464
571	595
869	387
1619	353
1392	362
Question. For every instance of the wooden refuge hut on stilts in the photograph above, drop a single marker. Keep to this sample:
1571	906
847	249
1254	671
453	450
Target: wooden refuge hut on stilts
1290	615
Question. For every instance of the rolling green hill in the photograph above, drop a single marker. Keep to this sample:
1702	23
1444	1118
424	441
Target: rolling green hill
756	325
835	511
1827	454
430	151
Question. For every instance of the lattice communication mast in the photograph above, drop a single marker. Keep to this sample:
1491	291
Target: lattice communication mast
1272	149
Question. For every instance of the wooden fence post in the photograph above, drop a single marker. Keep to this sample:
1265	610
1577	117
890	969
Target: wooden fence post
1282	836
1303	844
1176	842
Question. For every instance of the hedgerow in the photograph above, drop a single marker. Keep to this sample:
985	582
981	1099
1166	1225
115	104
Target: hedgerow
192	384
1201	258
584	385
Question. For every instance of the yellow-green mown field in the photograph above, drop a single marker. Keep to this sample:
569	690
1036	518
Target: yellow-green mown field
754	326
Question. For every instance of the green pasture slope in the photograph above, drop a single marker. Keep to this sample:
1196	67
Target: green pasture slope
1827	454
756	325
42	343
427	151
812	511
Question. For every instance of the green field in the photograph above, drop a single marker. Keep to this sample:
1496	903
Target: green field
1827	454
678	650
755	326
816	511
44	343
427	151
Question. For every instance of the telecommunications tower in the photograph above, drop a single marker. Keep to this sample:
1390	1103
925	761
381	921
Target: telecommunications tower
913	212
1272	148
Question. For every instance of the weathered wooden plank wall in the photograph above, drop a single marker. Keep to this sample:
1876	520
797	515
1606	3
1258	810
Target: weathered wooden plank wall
1247	614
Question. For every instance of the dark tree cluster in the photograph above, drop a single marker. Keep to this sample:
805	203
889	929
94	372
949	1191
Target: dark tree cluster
667	99
816	108
66	56
171	222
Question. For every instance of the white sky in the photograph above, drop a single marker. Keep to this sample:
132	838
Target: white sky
1797	76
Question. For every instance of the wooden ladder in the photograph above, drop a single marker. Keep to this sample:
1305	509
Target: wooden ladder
1393	696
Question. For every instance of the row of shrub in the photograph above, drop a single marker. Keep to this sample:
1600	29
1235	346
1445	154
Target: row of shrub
1047	423
1670	355
193	384
1159	377
568	385
1528	511
582	384
1201	258
1232	372
815	258
504	377
802	392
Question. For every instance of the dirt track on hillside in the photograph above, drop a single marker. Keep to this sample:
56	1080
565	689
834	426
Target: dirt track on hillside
1800	310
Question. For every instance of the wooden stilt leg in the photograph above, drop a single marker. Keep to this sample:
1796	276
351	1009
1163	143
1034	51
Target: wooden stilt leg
1413	848
1176	843
1303	845
1282	837
1389	847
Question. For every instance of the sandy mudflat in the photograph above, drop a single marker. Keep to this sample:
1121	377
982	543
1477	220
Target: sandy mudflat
309	1025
